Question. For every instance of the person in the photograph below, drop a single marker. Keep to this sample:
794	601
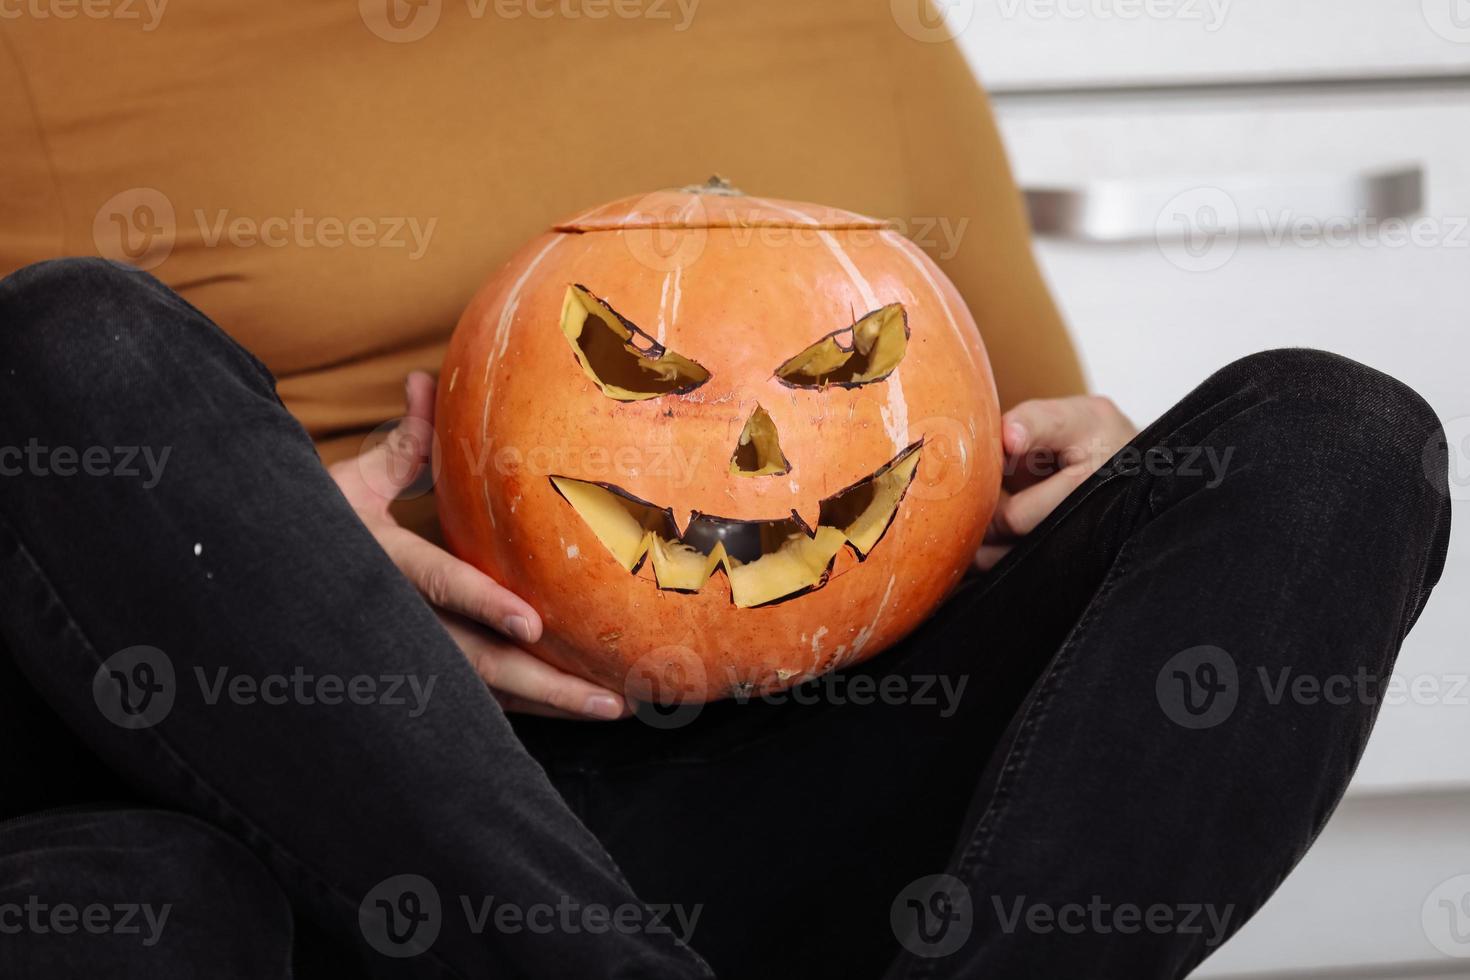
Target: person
259	724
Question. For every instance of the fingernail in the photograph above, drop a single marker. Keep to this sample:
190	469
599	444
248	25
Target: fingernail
519	627
1016	434
603	706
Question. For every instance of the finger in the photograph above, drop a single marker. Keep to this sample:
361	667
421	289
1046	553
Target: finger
996	533
461	588
1019	514
990	555
520	706
523	682
418	390
1046	423
1030	435
394	464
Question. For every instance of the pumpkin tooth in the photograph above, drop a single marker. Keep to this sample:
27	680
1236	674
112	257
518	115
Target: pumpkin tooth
622	522
764	561
679	568
800	565
865	510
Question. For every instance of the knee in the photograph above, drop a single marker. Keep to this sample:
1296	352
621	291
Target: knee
1329	435
59	290
1330	409
81	327
64	312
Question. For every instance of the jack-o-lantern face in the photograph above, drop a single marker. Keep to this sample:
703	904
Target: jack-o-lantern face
765	560
722	444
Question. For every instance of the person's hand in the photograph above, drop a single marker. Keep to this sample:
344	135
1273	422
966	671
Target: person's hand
484	618
1051	446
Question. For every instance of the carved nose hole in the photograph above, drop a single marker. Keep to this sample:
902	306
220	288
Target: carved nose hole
758	453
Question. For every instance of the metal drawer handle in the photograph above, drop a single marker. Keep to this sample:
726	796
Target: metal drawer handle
1248	206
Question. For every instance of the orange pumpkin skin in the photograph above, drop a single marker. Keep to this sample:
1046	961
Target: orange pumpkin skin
739	285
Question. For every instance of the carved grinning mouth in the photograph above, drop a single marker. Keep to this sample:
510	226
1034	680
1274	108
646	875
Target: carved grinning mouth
765	561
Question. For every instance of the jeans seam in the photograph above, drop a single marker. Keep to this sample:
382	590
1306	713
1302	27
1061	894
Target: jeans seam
220	800
1019	753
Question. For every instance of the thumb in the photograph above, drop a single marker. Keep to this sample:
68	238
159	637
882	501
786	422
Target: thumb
394	464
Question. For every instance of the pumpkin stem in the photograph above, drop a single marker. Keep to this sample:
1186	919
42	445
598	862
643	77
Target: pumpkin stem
715	185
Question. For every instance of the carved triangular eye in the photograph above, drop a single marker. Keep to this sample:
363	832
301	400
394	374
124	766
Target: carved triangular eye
867	351
622	360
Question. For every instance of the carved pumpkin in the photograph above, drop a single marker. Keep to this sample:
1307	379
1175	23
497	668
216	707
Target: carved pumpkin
722	444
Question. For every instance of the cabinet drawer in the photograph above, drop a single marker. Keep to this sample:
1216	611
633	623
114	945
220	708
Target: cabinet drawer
1047	44
1152	318
1365	903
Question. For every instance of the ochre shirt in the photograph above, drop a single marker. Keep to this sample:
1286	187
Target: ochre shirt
330	181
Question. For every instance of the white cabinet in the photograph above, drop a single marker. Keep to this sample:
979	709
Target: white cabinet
1214	191
1155	315
1047	44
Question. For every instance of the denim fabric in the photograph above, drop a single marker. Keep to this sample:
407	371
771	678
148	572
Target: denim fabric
1104	722
243	557
96	892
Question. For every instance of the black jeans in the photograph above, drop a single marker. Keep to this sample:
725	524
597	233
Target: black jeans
1097	760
